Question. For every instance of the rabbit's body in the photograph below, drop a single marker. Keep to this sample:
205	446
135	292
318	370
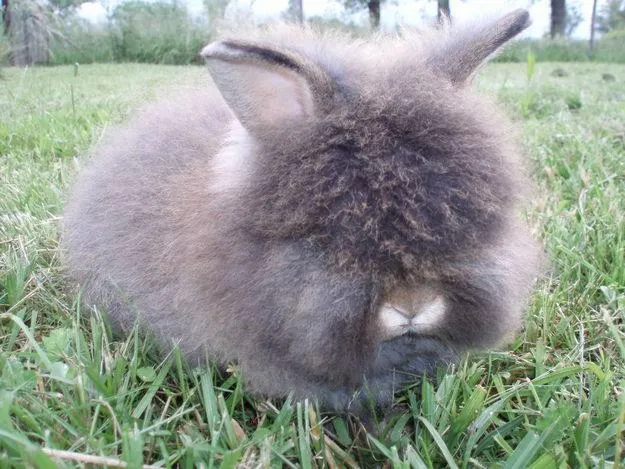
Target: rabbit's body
284	225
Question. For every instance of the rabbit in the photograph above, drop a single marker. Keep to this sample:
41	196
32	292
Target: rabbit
336	217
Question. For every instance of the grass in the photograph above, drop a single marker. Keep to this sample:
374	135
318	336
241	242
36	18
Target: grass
608	49
70	394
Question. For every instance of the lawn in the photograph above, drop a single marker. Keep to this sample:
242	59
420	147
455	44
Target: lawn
71	394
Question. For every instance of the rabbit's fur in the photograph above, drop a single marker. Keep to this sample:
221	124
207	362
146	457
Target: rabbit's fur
289	217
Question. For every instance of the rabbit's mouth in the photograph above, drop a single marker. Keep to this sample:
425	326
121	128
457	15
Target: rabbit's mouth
396	321
408	357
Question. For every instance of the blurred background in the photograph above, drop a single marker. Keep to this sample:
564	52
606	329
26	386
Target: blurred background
173	31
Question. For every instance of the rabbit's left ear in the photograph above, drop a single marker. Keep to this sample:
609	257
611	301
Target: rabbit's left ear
262	85
459	56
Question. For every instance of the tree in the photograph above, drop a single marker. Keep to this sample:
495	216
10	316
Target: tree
558	18
6	16
593	23
443	10
572	20
374	13
612	16
372	5
29	32
296	11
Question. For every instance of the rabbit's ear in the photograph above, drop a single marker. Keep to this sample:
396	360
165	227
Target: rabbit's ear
262	86
462	52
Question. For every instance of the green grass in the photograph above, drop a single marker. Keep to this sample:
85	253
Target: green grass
610	48
553	398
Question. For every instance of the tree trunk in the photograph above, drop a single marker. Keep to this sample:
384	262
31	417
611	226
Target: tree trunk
374	13
593	20
443	10
558	18
6	16
296	11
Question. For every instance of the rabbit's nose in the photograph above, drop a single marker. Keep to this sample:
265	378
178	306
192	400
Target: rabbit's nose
392	318
430	314
397	321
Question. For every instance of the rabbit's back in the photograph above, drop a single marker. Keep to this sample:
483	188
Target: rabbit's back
126	221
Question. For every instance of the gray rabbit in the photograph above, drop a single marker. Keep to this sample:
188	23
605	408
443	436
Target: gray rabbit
337	217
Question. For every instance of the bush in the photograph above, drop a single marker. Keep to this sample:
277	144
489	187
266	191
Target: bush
82	42
137	31
156	32
4	50
611	47
30	33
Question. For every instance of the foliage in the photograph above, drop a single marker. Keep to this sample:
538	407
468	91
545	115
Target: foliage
295	11
334	24
611	47
353	5
611	16
82	42
164	32
531	65
553	398
216	10
30	32
572	19
138	31
156	32
372	6
5	47
65	4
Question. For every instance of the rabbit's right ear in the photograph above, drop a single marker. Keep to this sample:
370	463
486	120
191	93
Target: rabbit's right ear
264	86
461	54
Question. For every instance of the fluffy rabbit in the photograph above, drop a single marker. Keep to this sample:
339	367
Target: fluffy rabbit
337	217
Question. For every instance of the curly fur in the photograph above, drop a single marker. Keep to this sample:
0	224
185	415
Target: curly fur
267	219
